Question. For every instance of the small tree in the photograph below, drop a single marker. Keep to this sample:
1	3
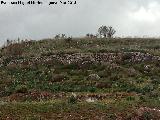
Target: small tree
63	36
57	36
106	31
111	32
87	35
68	40
103	30
91	36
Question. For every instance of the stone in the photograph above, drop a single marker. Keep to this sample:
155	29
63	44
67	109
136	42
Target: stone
93	77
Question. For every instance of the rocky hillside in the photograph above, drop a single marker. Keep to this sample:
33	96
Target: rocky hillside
115	78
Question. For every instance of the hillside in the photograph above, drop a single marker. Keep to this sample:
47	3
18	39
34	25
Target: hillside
82	78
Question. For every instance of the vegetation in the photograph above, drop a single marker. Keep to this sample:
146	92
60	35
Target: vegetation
80	78
106	31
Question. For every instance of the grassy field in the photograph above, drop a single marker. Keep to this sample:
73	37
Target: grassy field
88	79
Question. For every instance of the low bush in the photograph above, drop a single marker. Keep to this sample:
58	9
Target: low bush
130	98
72	99
92	89
59	77
21	89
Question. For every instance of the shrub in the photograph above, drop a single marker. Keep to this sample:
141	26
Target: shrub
156	80
14	49
102	85
126	56
92	89
55	87
103	74
154	93
130	98
147	89
59	77
114	77
132	72
142	98
72	99
21	89
147	115
70	66
68	40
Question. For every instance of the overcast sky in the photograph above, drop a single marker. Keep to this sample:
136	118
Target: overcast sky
128	17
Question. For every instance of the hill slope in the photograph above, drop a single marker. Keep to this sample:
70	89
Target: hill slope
114	78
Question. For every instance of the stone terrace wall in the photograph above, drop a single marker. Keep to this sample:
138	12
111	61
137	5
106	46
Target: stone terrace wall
84	57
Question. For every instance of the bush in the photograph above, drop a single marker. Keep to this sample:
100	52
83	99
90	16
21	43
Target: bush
21	89
114	77
154	94
55	87
14	49
72	99
147	89
102	85
156	80
59	77
130	98
147	115
142	98
127	56
92	89
103	74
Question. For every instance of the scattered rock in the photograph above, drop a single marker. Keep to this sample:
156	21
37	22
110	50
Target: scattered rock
145	113
93	77
132	72
90	100
86	58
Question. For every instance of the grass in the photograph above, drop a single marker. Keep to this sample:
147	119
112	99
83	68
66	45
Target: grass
61	109
42	109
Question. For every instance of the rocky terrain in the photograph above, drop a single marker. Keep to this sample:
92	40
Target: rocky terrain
88	79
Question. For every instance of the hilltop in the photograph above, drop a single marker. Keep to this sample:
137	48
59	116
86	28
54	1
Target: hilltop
81	78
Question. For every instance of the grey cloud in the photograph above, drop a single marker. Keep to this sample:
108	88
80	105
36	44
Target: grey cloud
36	22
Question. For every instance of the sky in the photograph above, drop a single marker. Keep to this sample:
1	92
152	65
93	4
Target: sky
127	17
